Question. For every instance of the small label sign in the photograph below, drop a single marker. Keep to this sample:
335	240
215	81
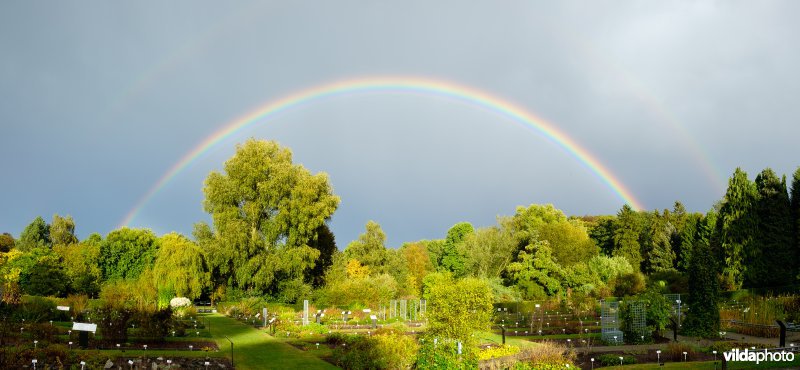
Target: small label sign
80	326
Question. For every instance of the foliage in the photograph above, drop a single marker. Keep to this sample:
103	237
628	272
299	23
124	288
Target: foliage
180	267
35	235
266	211
794	207
126	253
629	284
179	302
35	309
81	266
382	351
497	351
41	273
488	251
626	236
535	272
442	354
549	355
62	230
369	249
614	360
770	261
703	317
7	242
457	308
736	226
325	243
452	257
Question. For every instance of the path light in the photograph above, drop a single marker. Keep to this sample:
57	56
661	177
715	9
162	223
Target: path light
34	344
198	333
207	364
34	361
173	333
130	362
715	355
70	345
658	353
117	345
684	355
83	363
317	345
620	360
592	363
69	333
615	339
51	322
190	348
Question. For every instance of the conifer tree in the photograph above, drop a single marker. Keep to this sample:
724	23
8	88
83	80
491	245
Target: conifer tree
736	226
769	255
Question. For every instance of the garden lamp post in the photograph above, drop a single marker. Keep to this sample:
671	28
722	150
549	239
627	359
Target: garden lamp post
658	354
592	363
34	361
190	348
34	344
715	357
83	364
684	356
620	360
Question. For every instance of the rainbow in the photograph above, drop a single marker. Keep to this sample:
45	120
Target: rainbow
425	86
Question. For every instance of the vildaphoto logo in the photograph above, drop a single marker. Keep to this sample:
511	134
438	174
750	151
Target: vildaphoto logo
758	356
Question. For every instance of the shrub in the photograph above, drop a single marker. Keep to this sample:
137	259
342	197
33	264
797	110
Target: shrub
443	354
675	351
550	355
35	309
497	351
612	359
179	302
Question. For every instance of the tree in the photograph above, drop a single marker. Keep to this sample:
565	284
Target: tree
626	236
771	252
660	255
126	253
457	308
62	230
35	235
535	273
81	265
418	264
489	250
325	243
452	258
569	241
6	242
180	268
703	317
736	226
266	211
601	230
370	249
40	273
795	214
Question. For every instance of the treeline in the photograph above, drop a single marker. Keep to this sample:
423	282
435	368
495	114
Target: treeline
269	238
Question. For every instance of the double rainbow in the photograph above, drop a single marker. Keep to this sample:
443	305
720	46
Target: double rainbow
424	86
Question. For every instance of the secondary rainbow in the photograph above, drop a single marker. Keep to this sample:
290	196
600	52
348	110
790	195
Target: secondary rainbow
424	86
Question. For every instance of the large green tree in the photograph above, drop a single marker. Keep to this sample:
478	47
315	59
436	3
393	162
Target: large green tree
370	248
626	236
736	226
489	250
266	211
81	264
62	230
35	235
703	317
535	272
457	307
126	253
180	268
453	258
325	243
771	252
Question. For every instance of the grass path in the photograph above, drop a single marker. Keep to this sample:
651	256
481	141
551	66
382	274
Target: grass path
254	349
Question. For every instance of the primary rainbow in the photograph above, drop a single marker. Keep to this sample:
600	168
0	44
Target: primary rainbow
424	86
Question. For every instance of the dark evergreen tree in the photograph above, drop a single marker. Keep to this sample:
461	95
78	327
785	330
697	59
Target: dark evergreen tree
702	318
795	214
325	243
602	232
769	255
626	236
736	226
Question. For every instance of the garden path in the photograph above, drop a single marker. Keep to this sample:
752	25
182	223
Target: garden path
255	349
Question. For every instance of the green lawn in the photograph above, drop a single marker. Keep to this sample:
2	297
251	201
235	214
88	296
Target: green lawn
254	349
709	365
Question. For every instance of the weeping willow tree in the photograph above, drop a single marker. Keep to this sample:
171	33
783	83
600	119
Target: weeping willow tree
180	269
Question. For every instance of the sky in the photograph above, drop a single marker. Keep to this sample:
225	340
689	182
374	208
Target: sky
99	100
